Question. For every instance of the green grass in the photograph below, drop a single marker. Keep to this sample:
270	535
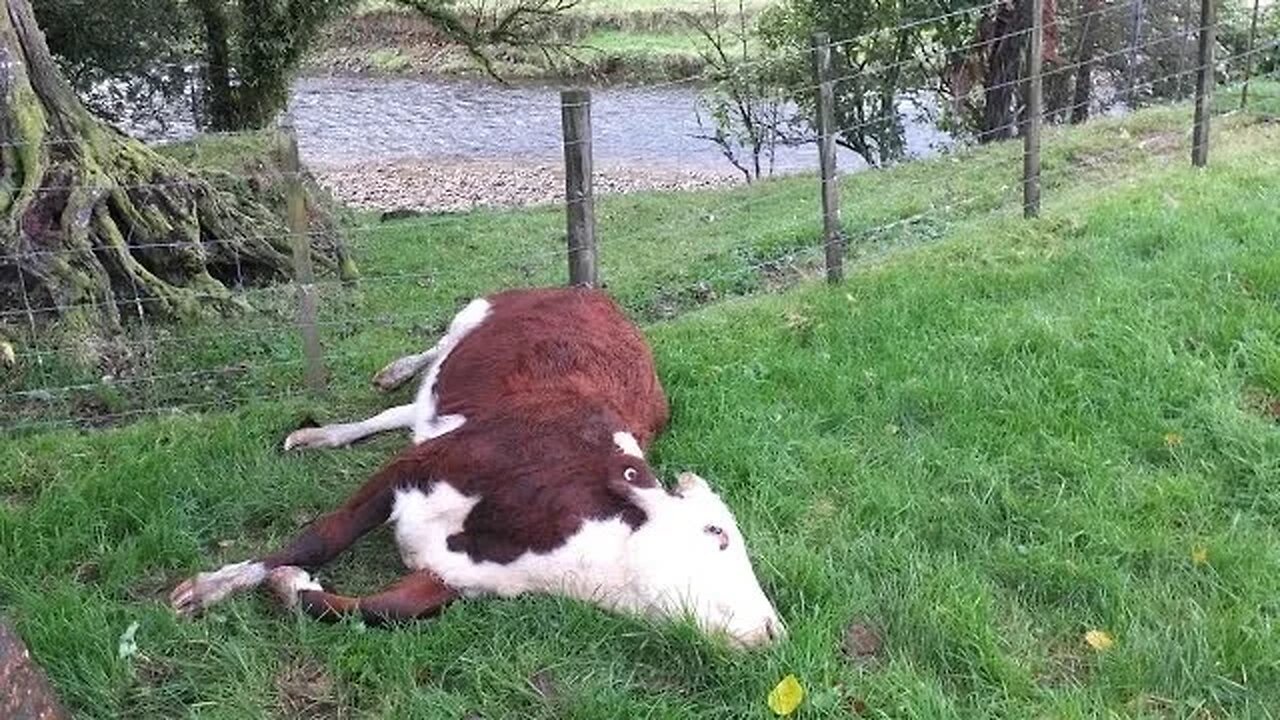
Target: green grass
995	436
608	41
661	253
625	6
617	41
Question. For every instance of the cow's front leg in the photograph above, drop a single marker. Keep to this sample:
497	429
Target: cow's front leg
316	545
342	434
417	595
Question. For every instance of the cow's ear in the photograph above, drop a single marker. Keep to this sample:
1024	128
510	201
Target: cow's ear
687	483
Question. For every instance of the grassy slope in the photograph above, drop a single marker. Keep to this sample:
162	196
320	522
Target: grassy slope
660	252
609	40
984	446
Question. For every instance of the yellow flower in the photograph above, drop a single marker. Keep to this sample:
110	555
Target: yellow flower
1099	640
1172	439
786	696
1200	556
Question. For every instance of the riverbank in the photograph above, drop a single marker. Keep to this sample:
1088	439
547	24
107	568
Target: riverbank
462	185
601	41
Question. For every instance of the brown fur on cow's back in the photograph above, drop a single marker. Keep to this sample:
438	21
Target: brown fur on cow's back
553	340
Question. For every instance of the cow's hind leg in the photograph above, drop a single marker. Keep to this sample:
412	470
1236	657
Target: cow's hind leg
342	434
400	371
320	542
417	595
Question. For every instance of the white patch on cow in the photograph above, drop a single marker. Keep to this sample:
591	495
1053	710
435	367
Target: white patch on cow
626	442
586	567
669	567
427	424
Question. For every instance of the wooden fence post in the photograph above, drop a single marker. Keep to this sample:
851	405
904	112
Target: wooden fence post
575	119
832	237
300	238
1204	86
1131	63
1248	57
1035	111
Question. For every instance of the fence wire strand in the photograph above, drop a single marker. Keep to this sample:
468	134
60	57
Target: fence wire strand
260	358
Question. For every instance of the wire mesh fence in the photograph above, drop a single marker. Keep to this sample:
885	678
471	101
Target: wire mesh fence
658	253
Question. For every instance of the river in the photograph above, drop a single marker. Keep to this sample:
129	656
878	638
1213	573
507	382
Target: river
344	121
448	145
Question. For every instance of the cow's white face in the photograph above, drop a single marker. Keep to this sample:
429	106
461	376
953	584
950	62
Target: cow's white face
690	560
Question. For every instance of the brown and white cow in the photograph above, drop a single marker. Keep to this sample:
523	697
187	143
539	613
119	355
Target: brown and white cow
527	474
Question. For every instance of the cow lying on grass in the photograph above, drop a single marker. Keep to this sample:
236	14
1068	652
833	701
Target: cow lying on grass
527	474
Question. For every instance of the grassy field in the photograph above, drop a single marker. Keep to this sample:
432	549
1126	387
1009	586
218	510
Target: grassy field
604	41
997	436
662	253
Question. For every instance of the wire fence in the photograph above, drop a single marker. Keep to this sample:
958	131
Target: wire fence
292	343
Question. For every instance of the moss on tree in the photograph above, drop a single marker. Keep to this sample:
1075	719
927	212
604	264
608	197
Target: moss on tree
94	223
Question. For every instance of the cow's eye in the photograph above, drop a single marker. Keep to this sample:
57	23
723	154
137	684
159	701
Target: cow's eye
630	475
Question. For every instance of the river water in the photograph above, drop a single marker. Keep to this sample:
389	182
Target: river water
356	120
452	145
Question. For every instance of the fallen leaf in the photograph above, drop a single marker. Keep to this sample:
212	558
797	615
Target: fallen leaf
128	647
786	696
1200	555
1099	640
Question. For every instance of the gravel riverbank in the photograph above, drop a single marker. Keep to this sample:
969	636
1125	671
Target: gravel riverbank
460	185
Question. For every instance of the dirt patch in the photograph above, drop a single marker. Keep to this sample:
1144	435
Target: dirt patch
14	501
1162	143
1065	667
1263	402
87	573
305	690
152	587
783	273
544	685
863	643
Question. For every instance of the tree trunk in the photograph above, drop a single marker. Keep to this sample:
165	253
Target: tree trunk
93	222
219	104
1084	64
1005	48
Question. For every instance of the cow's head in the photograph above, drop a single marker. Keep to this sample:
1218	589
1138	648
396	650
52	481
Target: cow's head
690	560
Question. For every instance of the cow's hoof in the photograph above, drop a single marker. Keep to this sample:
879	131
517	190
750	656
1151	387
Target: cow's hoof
287	581
397	373
311	437
204	589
